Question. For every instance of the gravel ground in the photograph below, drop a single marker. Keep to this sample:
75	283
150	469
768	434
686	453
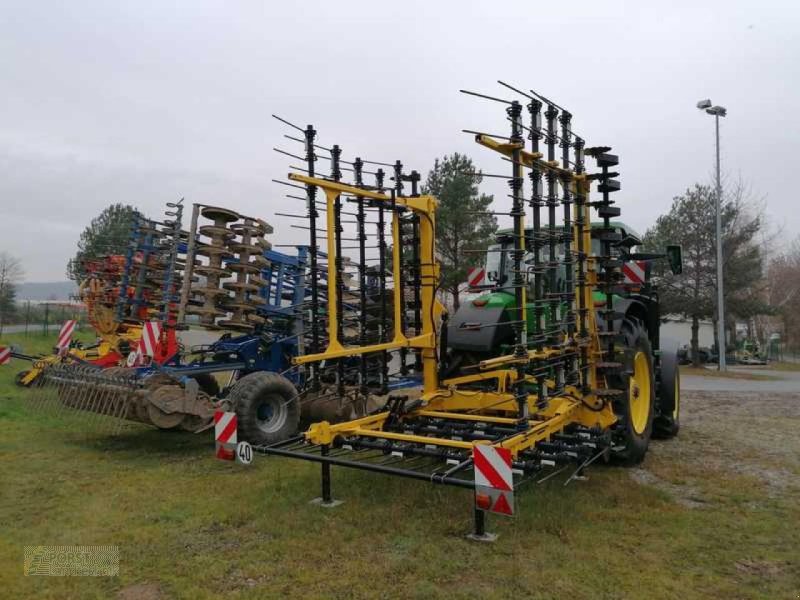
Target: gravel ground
784	382
744	433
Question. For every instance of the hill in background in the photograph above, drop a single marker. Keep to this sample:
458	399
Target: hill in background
48	290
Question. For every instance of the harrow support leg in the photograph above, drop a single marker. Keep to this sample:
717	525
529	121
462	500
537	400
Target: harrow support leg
480	534
326	500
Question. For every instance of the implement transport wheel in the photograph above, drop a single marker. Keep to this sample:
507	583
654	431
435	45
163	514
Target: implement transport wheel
635	406
266	406
666	423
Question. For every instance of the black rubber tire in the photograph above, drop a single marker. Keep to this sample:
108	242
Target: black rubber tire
629	446
667	421
208	384
267	408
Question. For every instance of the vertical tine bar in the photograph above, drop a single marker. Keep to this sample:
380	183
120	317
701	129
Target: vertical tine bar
516	183
554	298
580	226
568	297
362	277
536	202
311	195
400	284
336	175
382	249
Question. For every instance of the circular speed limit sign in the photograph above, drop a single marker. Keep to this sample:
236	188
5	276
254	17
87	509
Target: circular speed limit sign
244	453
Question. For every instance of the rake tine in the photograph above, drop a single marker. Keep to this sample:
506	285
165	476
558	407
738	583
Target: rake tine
108	403
102	391
106	390
88	393
39	392
124	406
52	396
48	388
117	399
123	400
62	391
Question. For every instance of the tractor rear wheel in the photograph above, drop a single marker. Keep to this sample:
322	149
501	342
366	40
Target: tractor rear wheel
635	406
266	406
666	423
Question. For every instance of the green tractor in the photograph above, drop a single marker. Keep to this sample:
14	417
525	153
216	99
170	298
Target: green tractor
482	327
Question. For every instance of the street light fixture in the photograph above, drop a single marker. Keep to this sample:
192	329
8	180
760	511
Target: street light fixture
717	112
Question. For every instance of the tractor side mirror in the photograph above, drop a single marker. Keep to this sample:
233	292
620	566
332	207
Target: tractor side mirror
675	258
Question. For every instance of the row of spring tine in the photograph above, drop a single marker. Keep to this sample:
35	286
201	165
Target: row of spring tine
64	388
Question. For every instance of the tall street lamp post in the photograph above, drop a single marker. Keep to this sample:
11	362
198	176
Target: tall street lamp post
717	112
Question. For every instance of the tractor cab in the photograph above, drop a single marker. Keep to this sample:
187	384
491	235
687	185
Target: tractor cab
499	260
482	326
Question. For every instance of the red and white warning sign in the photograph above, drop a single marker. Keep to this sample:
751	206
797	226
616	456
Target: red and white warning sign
150	340
494	479
634	272
5	355
225	434
148	345
65	335
476	276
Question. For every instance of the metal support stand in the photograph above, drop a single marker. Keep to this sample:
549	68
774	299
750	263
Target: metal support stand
326	500
480	534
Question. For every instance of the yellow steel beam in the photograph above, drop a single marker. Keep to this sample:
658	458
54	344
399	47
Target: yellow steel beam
437	414
418	341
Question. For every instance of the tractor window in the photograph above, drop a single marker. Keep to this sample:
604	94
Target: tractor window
495	265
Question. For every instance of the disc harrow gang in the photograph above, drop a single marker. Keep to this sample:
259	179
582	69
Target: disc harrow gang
226	259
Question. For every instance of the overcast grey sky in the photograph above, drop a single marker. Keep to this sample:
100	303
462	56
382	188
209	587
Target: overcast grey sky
144	102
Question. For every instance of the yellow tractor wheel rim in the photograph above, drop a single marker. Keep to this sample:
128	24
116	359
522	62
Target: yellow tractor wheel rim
676	411
639	393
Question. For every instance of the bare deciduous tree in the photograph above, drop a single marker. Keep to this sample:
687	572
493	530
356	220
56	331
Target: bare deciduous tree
11	273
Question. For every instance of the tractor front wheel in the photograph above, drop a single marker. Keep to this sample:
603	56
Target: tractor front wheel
635	406
667	422
267	408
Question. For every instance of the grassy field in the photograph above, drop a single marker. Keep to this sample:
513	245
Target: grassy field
687	524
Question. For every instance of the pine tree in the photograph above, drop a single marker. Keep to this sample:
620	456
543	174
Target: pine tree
108	233
459	224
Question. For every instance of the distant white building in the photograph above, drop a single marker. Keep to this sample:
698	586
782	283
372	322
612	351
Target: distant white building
678	328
